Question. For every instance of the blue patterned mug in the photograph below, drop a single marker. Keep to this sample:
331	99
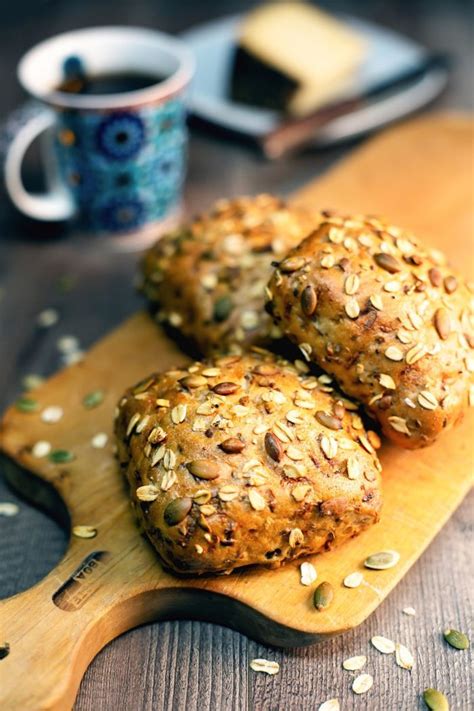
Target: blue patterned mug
115	163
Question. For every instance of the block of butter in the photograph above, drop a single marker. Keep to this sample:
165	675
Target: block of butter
293	57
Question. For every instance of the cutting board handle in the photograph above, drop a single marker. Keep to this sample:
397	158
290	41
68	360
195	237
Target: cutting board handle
52	638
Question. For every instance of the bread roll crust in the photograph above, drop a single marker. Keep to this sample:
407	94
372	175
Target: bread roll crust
244	460
387	317
208	279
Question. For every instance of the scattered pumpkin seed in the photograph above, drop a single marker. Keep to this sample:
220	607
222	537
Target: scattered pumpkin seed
442	322
232	445
354	663
382	560
225	388
222	309
382	644
84	531
309	300
93	399
450	284
404	657
330	705
435	700
208	468
323	596
273	447
353	580
27	404
387	262
264	665
61	456
66	283
292	264
8	508
177	510
410	611
308	574
362	683
456	639
333	423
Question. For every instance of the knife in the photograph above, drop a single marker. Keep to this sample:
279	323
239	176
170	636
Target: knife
296	133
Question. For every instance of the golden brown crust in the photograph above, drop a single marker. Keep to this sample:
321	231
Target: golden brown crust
243	460
387	317
208	278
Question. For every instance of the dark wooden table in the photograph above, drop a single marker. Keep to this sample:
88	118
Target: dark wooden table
189	665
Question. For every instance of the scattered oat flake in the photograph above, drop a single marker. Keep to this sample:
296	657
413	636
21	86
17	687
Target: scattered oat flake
330	705
32	381
93	399
354	663
99	440
41	449
67	344
52	414
362	683
409	611
84	531
73	357
404	657
47	318
308	573
382	644
353	580
264	665
8	508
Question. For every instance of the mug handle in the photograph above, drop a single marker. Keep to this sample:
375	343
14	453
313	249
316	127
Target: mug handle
29	122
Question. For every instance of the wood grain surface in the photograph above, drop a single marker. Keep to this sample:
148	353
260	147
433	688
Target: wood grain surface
187	665
131	588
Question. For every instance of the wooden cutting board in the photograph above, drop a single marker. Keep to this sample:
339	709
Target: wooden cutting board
420	175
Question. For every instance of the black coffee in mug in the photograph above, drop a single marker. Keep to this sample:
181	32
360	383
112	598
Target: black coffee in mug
107	83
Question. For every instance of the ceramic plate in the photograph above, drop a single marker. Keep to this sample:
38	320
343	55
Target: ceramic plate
388	55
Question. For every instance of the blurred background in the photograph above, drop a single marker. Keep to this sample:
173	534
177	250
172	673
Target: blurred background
440	25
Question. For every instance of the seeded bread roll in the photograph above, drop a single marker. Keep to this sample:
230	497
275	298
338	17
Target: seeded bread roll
244	460
387	317
208	279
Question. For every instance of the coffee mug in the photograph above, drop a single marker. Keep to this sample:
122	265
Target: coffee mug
114	162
